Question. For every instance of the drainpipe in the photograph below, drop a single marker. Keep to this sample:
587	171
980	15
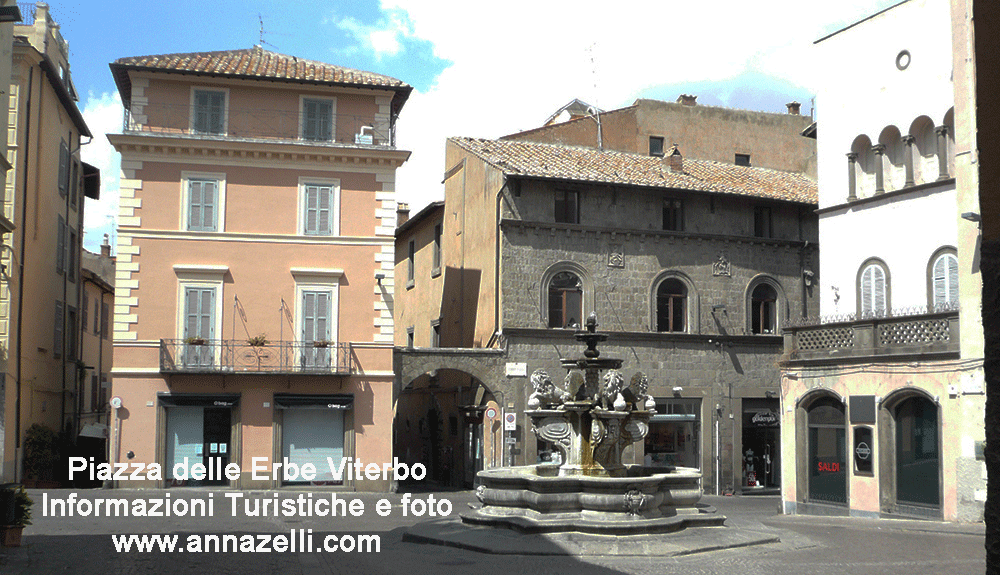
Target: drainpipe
20	279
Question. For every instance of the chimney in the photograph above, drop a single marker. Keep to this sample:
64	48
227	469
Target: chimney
106	247
687	99
402	213
675	159
793	108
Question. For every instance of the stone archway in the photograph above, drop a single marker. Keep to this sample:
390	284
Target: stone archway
441	401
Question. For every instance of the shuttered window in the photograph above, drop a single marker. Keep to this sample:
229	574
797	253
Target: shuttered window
57	338
317	120
61	246
209	112
203	201
945	280
318	210
316	328
873	292
199	325
63	168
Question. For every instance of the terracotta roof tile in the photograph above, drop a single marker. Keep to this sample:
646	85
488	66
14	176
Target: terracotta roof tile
261	63
591	165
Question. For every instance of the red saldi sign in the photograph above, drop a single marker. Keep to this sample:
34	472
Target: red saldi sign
832	467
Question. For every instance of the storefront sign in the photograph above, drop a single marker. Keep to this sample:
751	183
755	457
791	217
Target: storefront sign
863	451
519	369
764	418
828	467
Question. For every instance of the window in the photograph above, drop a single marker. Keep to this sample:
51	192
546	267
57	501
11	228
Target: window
72	254
763	310
97	313
656	145
319	207
436	333
63	182
95	393
565	300
409	336
742	160
762	222
209	112
673	215
71	336
199	325
410	263
567	207
61	246
57	336
944	282
203	202
318	210
105	319
873	297
74	182
316	311
827	451
84	310
437	251
671	305
317	120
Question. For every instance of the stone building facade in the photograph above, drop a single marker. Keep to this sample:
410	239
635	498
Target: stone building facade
676	257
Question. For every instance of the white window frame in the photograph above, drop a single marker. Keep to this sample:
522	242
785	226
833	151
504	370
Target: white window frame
317	279
225	109
334	183
203	277
220	209
302	116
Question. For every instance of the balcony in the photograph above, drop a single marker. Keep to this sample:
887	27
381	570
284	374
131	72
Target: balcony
911	334
279	126
237	356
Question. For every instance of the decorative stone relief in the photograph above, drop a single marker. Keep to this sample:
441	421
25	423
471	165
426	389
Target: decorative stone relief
616	256
721	267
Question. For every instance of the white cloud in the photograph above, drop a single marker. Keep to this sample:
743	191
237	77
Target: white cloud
103	114
384	38
516	63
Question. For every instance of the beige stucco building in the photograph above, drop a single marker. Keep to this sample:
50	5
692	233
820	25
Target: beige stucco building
253	309
44	200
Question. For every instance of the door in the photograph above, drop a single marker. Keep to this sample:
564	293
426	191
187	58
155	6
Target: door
827	452
199	326
917	453
316	352
217	432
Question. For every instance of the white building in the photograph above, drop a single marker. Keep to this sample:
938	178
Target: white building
882	405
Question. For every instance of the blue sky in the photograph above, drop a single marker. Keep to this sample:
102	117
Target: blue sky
478	69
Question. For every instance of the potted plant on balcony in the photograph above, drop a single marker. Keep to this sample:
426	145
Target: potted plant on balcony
321	343
11	534
259	340
194	340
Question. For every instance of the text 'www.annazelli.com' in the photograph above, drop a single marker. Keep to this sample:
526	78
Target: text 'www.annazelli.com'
297	541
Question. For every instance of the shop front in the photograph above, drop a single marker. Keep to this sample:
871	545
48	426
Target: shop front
311	429
199	429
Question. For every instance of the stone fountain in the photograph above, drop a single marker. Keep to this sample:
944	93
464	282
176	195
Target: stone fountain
591	421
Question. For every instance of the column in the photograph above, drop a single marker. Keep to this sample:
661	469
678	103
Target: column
852	177
942	151
908	142
879	150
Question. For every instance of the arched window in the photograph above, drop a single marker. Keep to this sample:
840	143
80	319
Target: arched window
565	300
764	310
944	281
671	305
873	289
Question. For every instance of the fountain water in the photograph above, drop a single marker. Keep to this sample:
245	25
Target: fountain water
591	422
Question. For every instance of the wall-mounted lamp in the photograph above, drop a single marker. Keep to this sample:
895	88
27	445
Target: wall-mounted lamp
807	277
972	217
718	307
769	394
379	278
677	391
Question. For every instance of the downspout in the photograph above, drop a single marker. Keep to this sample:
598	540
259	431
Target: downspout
20	278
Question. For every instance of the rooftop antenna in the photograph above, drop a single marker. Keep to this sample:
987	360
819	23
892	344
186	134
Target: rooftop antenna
262	41
595	110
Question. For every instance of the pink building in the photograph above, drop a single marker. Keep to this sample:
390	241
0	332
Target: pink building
253	309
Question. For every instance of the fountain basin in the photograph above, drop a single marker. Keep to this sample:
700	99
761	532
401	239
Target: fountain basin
535	499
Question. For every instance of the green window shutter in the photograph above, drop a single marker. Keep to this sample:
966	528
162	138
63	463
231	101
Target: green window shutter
61	246
57	343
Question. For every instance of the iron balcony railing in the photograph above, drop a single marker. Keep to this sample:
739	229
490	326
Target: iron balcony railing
238	356
907	332
260	124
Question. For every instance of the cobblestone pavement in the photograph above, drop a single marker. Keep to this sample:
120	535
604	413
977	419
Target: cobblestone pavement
809	545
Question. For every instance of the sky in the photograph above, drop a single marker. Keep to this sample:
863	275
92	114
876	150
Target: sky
478	69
